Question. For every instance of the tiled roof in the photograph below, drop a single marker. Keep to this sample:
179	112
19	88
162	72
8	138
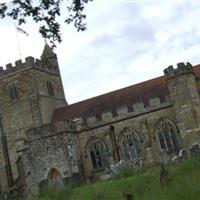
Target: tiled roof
196	69
128	96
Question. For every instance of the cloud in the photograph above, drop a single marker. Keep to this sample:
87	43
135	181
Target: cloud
125	43
5	1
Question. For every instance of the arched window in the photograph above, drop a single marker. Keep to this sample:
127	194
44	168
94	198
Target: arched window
12	90
97	152
130	145
50	89
167	133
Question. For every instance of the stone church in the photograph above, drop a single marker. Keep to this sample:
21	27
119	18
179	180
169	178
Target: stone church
43	139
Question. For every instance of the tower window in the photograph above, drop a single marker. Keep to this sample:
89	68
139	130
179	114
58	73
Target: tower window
12	90
50	89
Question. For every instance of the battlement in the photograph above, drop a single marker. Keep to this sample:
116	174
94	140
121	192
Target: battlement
121	113
30	62
181	69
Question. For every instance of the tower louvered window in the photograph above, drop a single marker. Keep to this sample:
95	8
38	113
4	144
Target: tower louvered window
130	145
12	90
50	89
168	136
97	152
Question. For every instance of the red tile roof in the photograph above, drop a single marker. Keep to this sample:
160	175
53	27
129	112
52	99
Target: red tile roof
196	70
128	96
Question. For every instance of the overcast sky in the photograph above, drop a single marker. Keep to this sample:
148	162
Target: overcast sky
126	42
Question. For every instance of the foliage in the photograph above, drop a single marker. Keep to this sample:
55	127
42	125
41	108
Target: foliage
183	183
46	12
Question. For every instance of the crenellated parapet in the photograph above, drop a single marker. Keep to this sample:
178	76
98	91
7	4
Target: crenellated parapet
181	69
29	62
121	113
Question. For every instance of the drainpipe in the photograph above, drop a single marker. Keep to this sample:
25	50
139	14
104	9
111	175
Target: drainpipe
114	143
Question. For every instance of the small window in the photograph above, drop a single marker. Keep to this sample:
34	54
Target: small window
12	90
50	89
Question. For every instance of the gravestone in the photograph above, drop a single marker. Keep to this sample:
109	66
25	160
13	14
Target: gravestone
182	154
194	151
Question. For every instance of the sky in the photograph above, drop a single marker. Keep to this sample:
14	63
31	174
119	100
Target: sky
126	42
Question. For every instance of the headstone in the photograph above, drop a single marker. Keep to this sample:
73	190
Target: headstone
129	197
57	182
174	159
194	151
100	196
43	185
182	154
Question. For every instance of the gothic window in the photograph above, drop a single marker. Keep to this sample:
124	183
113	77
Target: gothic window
168	136
130	145
12	90
50	89
96	150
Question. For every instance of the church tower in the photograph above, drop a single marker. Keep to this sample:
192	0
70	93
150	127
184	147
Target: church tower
51	91
29	93
184	94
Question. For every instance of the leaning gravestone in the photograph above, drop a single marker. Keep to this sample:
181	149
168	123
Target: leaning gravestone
43	185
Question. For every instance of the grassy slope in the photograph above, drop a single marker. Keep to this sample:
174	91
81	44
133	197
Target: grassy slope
183	184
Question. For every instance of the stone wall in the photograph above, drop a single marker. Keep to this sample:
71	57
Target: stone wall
141	120
48	103
50	147
184	94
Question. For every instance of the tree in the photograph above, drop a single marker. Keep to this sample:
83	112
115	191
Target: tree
46	12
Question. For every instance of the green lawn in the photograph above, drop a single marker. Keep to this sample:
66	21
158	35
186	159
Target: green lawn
183	184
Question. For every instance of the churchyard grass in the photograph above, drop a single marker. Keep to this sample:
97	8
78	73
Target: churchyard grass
183	183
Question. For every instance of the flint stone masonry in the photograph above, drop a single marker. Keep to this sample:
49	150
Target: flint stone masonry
52	149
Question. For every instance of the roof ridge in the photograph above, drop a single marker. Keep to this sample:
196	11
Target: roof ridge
114	91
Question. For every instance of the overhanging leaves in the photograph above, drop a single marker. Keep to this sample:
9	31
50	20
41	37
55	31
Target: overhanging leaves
46	13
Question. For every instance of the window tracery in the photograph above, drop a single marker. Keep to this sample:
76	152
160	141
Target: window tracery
97	152
130	145
167	133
